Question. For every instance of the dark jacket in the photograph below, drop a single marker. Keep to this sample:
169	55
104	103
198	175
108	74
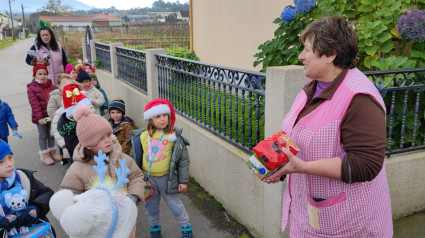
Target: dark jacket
67	129
122	132
38	100
6	117
39	194
179	164
106	104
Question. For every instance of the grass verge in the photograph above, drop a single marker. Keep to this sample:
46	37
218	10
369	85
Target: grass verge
214	211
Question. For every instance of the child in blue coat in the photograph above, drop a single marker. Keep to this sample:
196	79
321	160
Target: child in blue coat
6	117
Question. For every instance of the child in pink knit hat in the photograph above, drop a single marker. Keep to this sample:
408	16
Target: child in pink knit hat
95	134
70	69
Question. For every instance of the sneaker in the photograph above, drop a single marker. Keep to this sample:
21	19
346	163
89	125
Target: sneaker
187	231
155	231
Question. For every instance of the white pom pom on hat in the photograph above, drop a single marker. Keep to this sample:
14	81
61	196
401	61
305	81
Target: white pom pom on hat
161	106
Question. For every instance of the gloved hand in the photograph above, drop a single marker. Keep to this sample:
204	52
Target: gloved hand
7	222
16	133
42	122
29	217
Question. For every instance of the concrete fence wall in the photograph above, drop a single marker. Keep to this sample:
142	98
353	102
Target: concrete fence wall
220	167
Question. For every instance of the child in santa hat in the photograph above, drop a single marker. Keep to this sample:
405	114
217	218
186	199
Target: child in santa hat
38	95
161	152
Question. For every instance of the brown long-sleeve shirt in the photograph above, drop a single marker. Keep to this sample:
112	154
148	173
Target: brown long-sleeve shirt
363	131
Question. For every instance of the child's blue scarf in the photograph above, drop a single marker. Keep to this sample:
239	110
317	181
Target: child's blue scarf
13	181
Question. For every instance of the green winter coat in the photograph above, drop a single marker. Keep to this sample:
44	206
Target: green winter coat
179	164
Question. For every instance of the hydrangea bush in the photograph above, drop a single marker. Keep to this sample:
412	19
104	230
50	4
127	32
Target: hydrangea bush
411	25
383	43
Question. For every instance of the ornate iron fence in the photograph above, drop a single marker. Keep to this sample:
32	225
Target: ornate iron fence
404	97
172	44
103	54
227	101
132	67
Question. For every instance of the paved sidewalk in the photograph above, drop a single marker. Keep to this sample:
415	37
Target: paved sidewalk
15	75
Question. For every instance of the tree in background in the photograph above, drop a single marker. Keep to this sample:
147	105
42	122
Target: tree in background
126	19
381	46
56	7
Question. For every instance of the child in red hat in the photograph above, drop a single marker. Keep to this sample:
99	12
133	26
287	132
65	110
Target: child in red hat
66	135
38	95
161	152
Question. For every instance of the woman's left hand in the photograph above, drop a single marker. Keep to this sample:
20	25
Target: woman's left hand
182	188
294	165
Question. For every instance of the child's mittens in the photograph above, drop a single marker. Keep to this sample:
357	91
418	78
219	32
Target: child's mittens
42	122
17	133
29	217
7	222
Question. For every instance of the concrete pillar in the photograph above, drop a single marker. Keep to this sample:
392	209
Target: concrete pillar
152	72
83	47
93	49
282	86
114	59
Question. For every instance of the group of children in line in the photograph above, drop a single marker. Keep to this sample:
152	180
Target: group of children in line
70	114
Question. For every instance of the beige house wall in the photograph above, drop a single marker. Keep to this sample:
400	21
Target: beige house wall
228	33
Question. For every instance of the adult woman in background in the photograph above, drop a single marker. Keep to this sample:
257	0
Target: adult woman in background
337	185
49	52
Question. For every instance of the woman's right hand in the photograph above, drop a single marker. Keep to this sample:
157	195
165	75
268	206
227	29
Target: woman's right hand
294	165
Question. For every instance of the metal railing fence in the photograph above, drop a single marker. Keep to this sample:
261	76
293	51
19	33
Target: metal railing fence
404	97
103	54
132	67
228	102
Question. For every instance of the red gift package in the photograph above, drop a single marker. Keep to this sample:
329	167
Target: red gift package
270	151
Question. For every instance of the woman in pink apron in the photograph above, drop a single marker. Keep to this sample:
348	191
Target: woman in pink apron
336	185
49	52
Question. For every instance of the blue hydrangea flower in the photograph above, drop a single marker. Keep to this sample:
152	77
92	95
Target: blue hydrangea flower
411	25
288	14
304	6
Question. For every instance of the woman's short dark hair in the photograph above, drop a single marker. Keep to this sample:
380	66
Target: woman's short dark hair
53	43
333	35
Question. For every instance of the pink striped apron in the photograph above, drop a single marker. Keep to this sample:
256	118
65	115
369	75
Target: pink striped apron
349	210
56	64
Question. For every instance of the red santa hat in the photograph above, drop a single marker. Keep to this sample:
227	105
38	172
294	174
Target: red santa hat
72	97
161	106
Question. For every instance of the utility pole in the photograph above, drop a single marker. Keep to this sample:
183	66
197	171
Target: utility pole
24	25
11	19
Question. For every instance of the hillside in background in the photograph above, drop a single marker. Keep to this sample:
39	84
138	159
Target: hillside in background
32	6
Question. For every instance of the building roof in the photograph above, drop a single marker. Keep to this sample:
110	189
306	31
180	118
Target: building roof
105	17
66	18
184	13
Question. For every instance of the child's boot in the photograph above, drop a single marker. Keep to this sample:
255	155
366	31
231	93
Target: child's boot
155	231
53	154
187	231
45	157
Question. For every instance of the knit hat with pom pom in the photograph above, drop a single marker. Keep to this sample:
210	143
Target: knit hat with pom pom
90	127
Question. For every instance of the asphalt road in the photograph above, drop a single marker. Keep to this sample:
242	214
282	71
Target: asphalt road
15	75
